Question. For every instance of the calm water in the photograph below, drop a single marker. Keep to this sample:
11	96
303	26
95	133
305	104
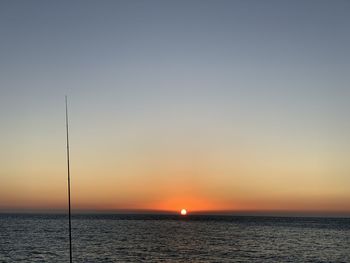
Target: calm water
155	238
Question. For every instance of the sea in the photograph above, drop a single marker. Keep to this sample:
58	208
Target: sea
172	238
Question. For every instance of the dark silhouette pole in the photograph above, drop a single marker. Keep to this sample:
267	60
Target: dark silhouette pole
68	171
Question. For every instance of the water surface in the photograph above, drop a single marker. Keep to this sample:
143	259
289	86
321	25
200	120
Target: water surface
166	238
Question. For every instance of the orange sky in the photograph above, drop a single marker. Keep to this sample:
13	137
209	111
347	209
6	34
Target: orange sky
170	176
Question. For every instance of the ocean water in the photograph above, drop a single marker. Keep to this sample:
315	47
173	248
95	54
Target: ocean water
166	238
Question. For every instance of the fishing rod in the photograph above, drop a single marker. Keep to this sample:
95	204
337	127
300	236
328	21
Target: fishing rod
68	173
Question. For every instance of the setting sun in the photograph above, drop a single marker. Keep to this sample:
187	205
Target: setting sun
183	212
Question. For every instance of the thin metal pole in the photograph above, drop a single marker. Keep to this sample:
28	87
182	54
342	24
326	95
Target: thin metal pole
68	171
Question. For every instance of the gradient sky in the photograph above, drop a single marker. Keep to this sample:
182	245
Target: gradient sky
207	105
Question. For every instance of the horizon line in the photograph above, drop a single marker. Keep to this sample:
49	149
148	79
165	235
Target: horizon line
289	213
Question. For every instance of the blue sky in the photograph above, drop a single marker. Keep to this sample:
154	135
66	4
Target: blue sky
142	76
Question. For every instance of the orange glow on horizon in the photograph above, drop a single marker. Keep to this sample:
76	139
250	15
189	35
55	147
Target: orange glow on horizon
192	203
183	212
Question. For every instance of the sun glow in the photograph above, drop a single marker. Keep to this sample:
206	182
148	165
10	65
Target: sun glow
183	212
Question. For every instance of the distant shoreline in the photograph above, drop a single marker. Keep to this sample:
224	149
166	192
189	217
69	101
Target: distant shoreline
273	214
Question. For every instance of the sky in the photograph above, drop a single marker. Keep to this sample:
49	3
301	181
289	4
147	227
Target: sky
204	105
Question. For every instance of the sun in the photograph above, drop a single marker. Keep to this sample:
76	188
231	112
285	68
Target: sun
183	212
